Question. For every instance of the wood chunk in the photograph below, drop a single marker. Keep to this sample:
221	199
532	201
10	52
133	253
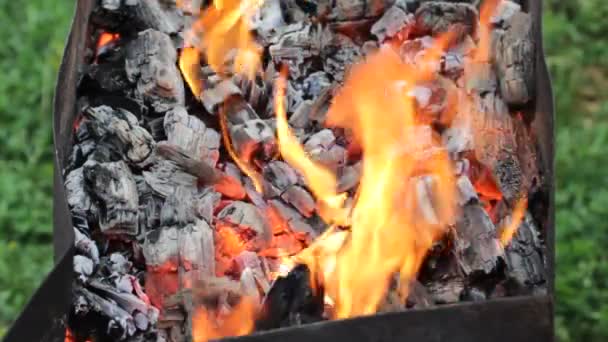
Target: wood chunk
245	217
151	66
113	188
476	246
514	60
190	133
301	199
437	17
134	140
391	23
164	176
524	257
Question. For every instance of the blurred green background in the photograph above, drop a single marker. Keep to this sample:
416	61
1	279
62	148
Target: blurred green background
31	41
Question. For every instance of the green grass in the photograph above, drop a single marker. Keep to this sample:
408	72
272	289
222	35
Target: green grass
31	41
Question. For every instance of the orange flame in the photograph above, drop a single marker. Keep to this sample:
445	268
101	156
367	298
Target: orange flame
189	64
509	230
388	234
208	325
485	30
225	33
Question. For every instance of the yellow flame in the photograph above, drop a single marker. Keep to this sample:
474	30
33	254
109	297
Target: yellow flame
189	64
388	234
509	230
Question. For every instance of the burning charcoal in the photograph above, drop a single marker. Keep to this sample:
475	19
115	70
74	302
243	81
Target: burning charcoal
165	176
436	17
251	261
391	23
113	187
250	134
323	149
188	132
294	220
477	247
191	246
524	257
121	124
514	60
350	177
78	199
150	204
83	266
86	246
120	323
291	301
217	94
280	174
436	100
301	200
205	204
151	65
245	218
249	288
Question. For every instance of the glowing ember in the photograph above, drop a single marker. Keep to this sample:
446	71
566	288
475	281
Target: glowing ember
106	38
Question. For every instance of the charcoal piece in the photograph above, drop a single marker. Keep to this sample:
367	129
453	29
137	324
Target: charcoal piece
120	324
347	10
178	208
250	135
150	204
78	199
164	176
466	191
447	289
280	174
436	101
135	140
392	22
118	264
83	266
300	199
268	19
127	301
291	301
476	246
205	204
190	246
109	74
301	115
351	175
151	66
503	13
86	246
437	17
524	258
314	85
323	149
159	15
339	54
190	133
293	219
113	188
412	51
418	296
249	287
248	260
216	94
514	58
245	219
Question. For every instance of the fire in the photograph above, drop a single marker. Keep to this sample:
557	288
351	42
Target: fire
509	230
488	8
388	233
189	64
215	324
224	30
